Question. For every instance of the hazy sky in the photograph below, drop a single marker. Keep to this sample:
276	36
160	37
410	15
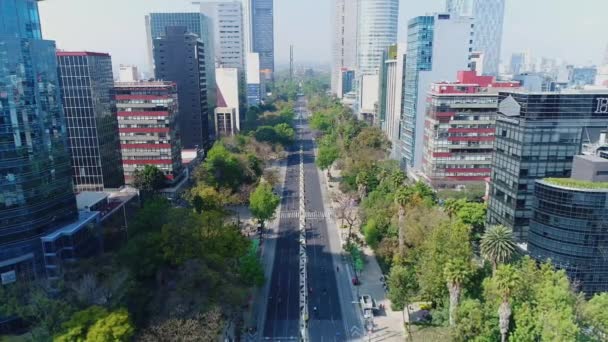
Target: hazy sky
574	30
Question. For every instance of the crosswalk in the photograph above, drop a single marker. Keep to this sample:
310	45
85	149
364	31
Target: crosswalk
296	214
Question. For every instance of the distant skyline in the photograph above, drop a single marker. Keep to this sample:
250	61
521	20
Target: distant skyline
573	32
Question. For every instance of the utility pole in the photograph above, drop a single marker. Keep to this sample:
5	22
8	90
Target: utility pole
291	62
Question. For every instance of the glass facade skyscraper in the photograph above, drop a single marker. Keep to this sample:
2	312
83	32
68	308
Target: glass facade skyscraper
262	32
89	103
377	22
438	46
537	136
36	193
194	22
179	57
488	17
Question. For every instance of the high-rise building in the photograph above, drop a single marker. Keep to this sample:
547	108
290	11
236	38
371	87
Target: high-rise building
261	19
459	130
36	196
87	90
148	127
488	17
368	98
128	73
377	30
568	225
254	88
580	76
345	14
196	23
179	57
226	19
438	46
227	115
391	93
537	136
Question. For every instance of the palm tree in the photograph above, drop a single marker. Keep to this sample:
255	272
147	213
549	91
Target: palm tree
506	280
497	245
402	199
456	273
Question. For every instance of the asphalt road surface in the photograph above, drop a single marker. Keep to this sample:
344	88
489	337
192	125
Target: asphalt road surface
282	315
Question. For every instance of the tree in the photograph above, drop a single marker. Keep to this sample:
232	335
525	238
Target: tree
204	327
266	134
285	134
326	156
149	179
251	269
497	245
474	322
115	327
263	202
595	317
506	281
346	212
77	327
456	272
402	287
447	242
97	324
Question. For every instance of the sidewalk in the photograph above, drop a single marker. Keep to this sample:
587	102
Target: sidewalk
388	324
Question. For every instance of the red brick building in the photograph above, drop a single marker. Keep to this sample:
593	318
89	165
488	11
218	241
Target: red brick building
147	124
459	129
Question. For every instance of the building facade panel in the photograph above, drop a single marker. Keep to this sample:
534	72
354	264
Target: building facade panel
148	139
537	136
87	89
36	194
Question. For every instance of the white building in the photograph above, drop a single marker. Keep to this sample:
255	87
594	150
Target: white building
128	73
228	32
488	17
344	42
227	116
430	59
254	87
377	30
390	98
368	98
601	78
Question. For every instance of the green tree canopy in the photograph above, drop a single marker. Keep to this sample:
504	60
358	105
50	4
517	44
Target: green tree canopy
150	179
263	202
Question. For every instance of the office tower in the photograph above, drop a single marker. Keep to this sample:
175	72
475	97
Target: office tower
148	127
128	73
227	115
368	98
377	29
537	136
36	196
344	43
196	23
262	33
459	130
438	46
521	62
254	89
568	225
580	76
391	93
488	17
226	18
179	57
87	89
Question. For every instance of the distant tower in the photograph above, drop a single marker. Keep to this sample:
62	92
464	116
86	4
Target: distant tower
291	62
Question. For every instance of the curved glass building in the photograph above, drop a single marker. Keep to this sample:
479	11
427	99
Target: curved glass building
36	193
570	227
378	21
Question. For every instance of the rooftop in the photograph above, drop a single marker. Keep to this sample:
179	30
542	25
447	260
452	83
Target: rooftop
81	53
576	184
